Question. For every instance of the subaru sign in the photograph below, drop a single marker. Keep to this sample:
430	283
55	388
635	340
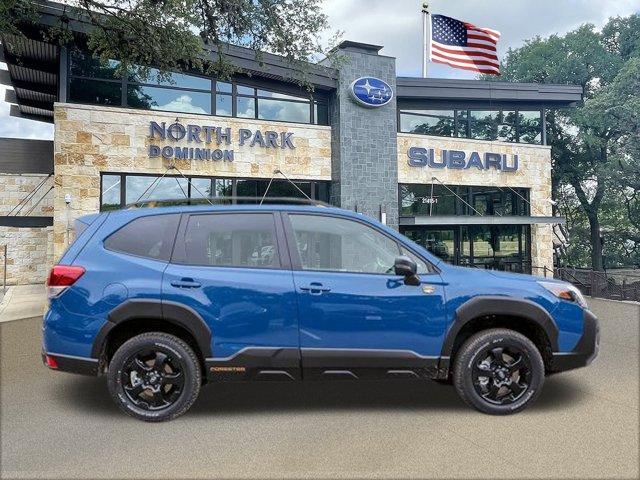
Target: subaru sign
371	92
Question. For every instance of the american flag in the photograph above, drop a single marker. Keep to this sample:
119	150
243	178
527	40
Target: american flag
463	45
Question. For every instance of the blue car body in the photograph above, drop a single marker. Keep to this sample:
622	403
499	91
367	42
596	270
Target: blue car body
247	322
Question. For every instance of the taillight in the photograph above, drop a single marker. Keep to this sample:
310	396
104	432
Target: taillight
61	277
51	362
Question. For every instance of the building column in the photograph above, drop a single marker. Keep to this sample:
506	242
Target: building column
364	153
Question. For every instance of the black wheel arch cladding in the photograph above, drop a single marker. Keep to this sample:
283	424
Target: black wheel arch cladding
175	313
488	305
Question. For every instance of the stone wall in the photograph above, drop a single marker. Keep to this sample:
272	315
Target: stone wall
364	141
29	250
534	173
92	139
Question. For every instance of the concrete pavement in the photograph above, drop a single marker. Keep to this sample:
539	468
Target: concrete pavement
23	301
584	425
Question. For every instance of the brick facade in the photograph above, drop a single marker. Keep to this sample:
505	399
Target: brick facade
29	250
89	140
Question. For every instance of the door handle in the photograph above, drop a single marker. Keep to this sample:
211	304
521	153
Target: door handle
315	288
186	283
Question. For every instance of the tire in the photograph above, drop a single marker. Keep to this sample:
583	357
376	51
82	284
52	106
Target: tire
498	371
154	377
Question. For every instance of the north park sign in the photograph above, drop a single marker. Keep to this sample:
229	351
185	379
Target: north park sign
201	135
459	160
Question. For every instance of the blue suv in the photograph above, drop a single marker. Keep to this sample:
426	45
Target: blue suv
162	300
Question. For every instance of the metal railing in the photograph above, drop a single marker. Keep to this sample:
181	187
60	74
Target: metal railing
601	284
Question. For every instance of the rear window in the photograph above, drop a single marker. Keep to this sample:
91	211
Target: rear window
150	237
231	240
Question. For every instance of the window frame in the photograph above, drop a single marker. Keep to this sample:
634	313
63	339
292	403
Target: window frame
179	254
168	236
296	262
462	129
315	185
125	82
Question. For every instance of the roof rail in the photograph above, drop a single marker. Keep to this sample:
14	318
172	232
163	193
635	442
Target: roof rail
231	200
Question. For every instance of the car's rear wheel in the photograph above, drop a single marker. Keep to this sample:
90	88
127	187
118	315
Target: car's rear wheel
498	371
154	377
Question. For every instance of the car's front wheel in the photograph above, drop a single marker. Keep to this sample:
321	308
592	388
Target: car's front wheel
498	371
154	377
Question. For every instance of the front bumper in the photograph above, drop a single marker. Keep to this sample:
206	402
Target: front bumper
586	349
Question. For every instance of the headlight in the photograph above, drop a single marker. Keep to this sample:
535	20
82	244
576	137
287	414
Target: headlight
565	291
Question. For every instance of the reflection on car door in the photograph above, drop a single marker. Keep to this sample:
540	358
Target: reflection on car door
350	299
232	270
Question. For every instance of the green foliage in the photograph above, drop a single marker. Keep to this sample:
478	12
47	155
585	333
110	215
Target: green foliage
172	35
596	146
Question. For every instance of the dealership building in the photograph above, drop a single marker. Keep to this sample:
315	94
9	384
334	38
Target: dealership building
462	167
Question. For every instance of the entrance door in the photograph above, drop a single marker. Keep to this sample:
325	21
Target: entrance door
353	310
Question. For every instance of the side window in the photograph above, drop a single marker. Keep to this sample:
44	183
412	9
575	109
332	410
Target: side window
232	240
151	236
342	245
423	267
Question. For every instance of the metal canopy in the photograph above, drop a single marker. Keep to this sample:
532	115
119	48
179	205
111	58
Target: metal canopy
480	220
33	74
475	92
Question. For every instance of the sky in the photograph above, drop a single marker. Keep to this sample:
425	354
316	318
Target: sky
397	25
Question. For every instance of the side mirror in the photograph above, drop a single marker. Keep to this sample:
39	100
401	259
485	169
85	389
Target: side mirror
406	267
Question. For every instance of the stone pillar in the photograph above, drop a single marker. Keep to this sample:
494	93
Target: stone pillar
364	165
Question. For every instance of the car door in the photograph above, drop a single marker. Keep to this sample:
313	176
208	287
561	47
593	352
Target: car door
233	269
353	310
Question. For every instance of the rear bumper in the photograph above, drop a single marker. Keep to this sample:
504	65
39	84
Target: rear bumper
586	349
71	364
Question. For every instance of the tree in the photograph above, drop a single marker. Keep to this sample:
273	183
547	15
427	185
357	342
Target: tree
172	35
594	145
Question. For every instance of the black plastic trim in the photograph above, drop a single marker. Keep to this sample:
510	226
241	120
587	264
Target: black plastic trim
71	364
585	350
487	305
332	358
155	309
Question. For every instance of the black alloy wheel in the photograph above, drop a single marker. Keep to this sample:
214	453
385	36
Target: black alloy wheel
154	377
502	376
498	371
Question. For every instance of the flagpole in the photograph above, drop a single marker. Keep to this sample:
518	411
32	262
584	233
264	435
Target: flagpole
426	37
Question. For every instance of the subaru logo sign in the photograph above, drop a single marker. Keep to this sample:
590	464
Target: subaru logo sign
371	92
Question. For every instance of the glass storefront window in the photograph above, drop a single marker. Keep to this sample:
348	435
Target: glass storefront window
321	113
417	199
224	105
503	125
110	199
180	80
92	81
428	122
242	90
283	110
224	87
157	98
201	188
246	107
84	64
95	92
141	188
496	247
530	127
